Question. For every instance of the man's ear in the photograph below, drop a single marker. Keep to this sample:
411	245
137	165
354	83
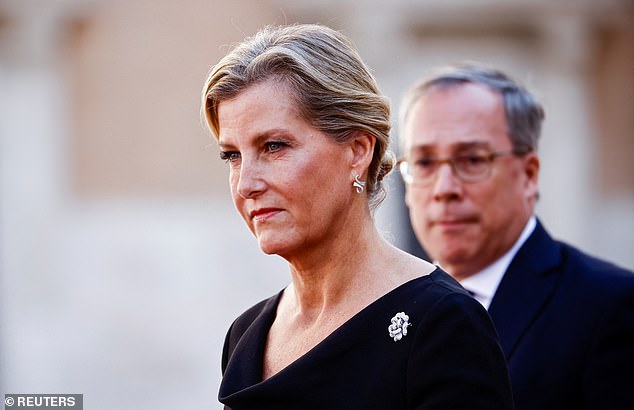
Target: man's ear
362	145
531	173
408	200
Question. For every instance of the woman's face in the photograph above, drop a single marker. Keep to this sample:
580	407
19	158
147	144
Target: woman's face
290	182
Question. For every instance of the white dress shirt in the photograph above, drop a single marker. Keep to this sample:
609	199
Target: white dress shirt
484	283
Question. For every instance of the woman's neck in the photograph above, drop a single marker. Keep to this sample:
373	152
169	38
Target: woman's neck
345	272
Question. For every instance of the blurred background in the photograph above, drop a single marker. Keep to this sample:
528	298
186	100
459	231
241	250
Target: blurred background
122	259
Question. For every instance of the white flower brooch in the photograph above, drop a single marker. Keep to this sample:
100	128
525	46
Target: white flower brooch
398	327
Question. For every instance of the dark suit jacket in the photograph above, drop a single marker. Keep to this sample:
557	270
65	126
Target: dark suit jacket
566	325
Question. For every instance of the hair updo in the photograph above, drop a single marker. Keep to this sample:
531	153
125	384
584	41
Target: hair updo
335	91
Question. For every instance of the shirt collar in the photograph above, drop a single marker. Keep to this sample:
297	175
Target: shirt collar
484	283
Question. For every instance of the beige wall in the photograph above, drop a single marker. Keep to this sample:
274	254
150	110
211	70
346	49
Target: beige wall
137	70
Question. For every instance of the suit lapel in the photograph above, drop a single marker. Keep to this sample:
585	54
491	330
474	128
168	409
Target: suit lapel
525	288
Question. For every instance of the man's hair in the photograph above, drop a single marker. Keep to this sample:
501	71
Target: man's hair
524	115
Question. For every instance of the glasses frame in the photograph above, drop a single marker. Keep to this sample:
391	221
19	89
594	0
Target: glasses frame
403	166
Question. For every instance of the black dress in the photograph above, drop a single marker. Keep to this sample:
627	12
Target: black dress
449	359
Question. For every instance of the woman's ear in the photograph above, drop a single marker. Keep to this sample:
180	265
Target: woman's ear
362	151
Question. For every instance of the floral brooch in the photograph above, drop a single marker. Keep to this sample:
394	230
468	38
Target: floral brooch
398	327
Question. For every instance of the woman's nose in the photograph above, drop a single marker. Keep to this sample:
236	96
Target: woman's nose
250	182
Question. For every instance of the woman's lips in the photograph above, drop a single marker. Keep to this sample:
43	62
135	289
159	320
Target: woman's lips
262	214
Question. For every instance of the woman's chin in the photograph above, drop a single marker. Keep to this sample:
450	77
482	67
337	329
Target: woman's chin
268	251
282	249
270	248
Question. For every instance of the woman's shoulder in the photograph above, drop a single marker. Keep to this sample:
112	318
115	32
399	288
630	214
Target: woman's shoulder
437	304
445	283
431	293
438	283
436	294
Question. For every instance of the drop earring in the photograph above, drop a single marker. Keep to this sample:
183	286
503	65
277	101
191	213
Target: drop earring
358	184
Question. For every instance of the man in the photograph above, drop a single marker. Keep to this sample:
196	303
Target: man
565	319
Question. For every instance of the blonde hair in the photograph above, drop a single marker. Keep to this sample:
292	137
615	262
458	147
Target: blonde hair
335	91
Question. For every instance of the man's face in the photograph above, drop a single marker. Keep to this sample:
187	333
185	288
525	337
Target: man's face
465	226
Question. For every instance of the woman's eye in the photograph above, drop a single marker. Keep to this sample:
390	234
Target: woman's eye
274	146
229	156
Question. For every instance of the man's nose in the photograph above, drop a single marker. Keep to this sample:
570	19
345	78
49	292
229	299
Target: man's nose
446	184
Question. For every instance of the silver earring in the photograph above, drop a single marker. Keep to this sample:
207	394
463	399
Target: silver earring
358	185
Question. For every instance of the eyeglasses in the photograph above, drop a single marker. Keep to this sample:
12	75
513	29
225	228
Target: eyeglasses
468	167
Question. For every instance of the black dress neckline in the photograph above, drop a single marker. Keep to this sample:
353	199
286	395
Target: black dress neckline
260	328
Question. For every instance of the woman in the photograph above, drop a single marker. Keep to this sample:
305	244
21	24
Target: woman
362	325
